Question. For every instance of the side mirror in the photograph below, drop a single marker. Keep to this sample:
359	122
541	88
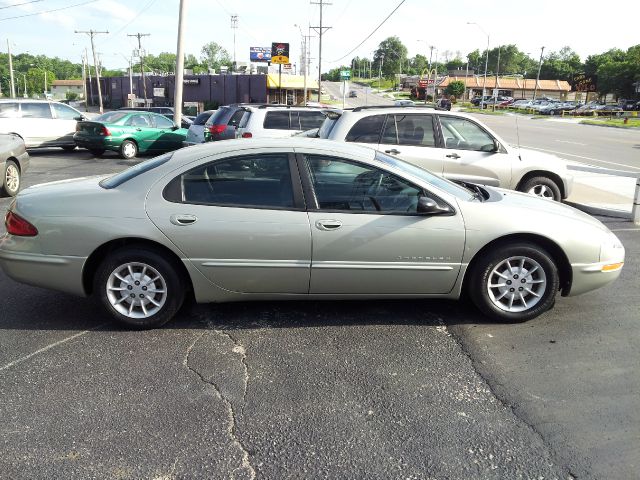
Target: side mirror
490	147
80	118
427	206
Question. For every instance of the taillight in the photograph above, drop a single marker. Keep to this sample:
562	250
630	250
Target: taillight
104	131
247	135
217	129
16	225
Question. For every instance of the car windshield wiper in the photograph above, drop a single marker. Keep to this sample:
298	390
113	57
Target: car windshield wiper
478	192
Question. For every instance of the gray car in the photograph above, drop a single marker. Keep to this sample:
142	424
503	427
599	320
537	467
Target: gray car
14	161
298	218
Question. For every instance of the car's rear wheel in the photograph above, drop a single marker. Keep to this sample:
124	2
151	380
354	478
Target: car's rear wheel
139	288
128	149
514	283
11	178
542	187
96	152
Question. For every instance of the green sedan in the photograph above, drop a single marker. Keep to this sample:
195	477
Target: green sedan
129	132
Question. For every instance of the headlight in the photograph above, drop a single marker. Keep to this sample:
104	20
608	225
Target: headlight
611	249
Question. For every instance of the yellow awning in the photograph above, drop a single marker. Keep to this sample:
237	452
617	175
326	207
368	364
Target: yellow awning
291	82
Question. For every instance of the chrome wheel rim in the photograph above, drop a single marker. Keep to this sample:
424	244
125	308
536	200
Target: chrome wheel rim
136	290
517	284
12	178
129	150
541	191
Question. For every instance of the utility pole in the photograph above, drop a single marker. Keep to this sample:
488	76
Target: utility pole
320	30
234	27
177	100
141	55
535	88
91	34
380	71
13	85
84	83
86	59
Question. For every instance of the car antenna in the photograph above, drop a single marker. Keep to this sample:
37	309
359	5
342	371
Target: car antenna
518	135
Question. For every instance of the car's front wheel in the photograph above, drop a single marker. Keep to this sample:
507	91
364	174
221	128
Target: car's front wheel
514	283
11	179
139	287
542	187
128	149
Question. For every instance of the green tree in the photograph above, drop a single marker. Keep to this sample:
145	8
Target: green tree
163	63
561	65
214	56
391	55
455	88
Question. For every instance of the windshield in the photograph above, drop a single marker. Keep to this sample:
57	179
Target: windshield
425	175
122	177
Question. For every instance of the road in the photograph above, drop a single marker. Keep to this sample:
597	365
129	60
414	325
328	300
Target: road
364	95
407	389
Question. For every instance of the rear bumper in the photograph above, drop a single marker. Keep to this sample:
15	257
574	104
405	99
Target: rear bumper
47	271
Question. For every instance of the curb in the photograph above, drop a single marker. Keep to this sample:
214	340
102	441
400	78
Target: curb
609	126
599	211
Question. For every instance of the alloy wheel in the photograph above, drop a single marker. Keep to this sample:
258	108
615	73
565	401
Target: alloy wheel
136	290
516	284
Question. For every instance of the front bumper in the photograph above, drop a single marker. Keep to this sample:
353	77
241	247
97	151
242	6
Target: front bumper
591	276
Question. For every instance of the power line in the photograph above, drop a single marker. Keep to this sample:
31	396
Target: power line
48	11
371	34
20	4
144	9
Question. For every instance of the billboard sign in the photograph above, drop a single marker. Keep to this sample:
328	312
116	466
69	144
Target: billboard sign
279	52
259	54
585	83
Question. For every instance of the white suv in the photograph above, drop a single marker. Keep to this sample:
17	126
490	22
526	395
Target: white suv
278	120
451	144
40	123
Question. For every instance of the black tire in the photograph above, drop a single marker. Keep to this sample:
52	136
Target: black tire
487	299
97	152
69	148
11	179
128	149
145	290
542	187
552	112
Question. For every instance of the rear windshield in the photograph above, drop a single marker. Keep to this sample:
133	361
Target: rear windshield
202	118
111	117
327	126
220	116
122	177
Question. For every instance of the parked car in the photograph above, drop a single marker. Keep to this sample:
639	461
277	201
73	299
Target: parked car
278	120
129	133
14	161
404	103
223	124
195	133
477	99
556	108
451	144
40	123
628	104
299	218
353	94
443	104
520	103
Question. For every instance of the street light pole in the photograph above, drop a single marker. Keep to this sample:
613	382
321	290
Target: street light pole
13	86
486	60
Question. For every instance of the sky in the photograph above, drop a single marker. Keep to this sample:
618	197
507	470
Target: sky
418	23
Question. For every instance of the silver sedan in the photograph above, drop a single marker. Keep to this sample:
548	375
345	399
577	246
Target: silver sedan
298	218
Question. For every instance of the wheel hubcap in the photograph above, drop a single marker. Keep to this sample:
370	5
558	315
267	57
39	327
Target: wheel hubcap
12	178
517	284
129	150
136	290
541	191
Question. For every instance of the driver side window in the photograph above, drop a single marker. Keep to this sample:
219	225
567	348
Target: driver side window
463	134
350	186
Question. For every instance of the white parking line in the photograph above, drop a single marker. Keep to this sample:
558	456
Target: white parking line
580	156
572	143
48	347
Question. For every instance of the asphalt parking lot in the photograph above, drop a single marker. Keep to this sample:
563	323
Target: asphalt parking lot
396	389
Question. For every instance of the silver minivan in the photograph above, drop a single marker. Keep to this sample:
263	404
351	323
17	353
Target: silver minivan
40	123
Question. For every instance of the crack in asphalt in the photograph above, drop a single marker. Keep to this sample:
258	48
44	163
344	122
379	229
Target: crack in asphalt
246	468
491	386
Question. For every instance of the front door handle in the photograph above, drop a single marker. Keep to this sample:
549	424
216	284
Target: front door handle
328	225
182	220
393	151
453	155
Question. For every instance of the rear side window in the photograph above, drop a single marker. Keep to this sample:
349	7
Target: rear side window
8	110
202	118
409	130
162	121
276	121
256	181
36	110
309	120
366	130
235	119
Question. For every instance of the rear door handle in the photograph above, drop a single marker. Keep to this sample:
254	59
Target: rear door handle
328	225
453	155
393	151
182	220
